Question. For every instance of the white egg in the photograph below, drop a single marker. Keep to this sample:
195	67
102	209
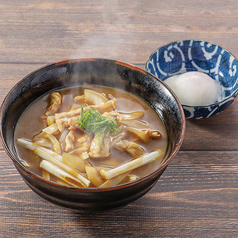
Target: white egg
194	88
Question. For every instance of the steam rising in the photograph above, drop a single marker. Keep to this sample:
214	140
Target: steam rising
106	39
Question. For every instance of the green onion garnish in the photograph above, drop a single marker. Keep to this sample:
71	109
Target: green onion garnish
91	121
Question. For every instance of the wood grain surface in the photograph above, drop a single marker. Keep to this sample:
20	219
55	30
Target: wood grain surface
197	196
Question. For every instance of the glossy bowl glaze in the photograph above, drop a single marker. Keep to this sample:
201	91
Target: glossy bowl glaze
190	55
95	72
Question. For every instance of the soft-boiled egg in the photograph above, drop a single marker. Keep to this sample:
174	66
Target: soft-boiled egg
194	88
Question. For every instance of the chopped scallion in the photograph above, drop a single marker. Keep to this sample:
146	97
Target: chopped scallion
91	121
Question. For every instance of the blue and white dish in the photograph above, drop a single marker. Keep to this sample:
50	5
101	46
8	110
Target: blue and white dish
190	55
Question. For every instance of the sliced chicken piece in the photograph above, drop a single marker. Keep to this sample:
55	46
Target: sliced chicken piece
73	124
130	147
100	148
113	113
61	123
76	139
69	141
84	140
71	113
62	118
55	102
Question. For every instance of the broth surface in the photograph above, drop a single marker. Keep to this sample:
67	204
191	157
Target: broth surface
30	123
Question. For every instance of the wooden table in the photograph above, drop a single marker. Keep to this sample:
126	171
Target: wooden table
197	196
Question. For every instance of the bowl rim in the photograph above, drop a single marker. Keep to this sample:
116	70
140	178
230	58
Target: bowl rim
234	94
173	153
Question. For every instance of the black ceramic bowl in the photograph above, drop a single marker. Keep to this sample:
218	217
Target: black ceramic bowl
96	72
